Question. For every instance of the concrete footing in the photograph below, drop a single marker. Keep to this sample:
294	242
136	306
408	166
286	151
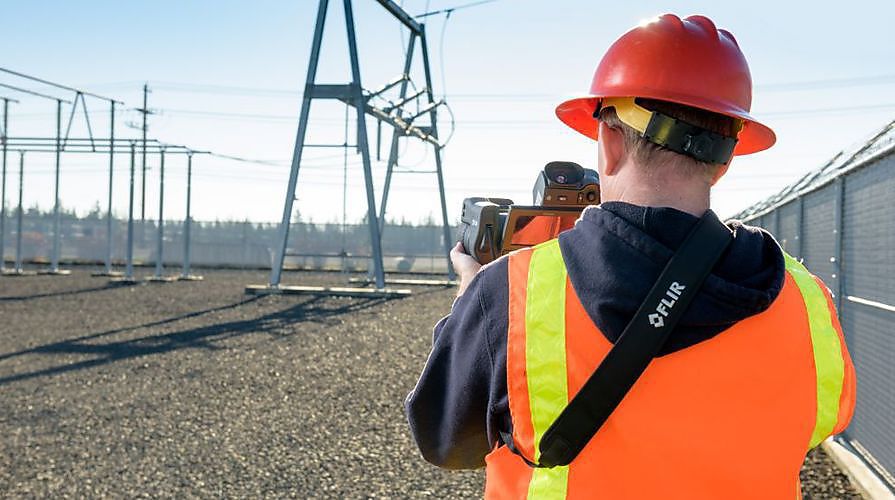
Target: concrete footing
402	281
327	291
54	272
160	279
110	274
12	273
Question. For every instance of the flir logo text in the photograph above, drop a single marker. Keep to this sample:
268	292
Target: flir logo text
657	319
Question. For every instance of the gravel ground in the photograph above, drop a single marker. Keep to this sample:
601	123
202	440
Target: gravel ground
193	389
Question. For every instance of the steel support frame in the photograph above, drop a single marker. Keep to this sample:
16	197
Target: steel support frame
360	108
353	94
280	254
446	228
393	152
111	146
60	144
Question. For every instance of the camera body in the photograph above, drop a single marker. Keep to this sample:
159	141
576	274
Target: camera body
491	227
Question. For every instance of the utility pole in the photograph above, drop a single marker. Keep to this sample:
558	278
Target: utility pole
145	111
57	202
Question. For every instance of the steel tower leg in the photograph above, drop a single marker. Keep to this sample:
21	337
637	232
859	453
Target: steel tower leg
280	254
363	145
393	152
446	227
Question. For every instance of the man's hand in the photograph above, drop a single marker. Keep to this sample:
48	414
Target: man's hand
465	266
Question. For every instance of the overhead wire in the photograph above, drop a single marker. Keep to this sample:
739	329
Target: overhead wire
817	84
255	116
441	58
452	9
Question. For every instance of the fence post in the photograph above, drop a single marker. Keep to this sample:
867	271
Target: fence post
837	236
20	213
800	226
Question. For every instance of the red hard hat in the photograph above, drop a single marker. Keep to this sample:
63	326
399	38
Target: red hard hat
683	61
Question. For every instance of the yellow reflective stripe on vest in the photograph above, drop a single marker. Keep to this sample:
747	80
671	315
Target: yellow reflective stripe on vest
828	363
545	358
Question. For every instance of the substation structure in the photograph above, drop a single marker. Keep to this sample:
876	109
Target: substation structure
395	113
57	144
111	146
62	143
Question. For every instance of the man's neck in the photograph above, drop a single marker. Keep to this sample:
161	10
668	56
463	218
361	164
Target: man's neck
691	203
652	188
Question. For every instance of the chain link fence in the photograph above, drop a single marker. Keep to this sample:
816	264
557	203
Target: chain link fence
839	220
406	248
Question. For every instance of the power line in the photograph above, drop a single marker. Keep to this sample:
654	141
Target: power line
263	116
449	11
145	111
31	92
769	87
827	83
57	85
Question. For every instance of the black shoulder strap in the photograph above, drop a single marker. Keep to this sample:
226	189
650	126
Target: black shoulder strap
638	344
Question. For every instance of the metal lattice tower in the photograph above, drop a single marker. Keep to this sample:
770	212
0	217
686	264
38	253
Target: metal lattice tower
395	115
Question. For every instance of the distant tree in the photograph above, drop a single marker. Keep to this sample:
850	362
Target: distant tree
95	213
429	220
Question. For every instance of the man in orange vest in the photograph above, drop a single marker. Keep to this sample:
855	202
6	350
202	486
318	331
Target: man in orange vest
754	375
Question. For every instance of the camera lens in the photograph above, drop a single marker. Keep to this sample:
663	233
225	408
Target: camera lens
591	196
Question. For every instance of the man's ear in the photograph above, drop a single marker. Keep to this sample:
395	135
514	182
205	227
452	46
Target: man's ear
612	149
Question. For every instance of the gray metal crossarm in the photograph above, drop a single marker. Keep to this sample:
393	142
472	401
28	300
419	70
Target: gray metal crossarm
330	91
390	85
402	102
402	16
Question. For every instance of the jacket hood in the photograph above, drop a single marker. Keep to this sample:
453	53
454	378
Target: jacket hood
617	250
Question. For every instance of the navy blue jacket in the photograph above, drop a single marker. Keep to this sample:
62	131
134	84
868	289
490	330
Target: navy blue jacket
613	255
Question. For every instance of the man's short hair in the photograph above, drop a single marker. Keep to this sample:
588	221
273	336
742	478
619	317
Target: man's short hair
651	155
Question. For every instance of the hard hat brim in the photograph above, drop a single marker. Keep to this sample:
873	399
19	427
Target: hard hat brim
578	114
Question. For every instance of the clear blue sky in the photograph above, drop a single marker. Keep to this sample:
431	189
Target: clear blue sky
226	76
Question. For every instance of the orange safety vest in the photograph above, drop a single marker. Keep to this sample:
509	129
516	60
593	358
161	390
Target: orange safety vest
730	417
